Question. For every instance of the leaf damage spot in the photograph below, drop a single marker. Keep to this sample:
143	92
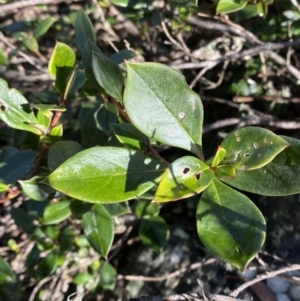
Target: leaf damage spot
246	155
197	175
238	139
186	170
255	145
181	115
244	167
236	133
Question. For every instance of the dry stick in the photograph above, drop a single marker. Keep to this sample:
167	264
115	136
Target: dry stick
16	6
240	31
287	125
262	277
168	276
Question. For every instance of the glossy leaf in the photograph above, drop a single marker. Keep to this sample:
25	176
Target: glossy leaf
43	27
185	177
108	276
162	106
22	219
6	273
108	75
145	208
35	190
117	209
15	110
230	6
129	135
98	228
91	134
280	177
60	151
154	233
252	147
106	175
15	164
56	213
122	55
87	55
47	266
84	30
230	226
61	66
220	154
78	208
30	42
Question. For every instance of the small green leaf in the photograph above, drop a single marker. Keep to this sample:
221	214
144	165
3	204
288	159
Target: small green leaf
280	177
47	266
15	110
108	75
3	187
252	147
52	231
230	225
225	172
35	190
43	27
145	208
230	6
84	30
99	229
154	233
30	42
122	55
220	154
60	151
161	105
61	66
56	133
108	276
129	135
117	209
106	175
185	177
22	219
82	278
56	213
16	165
3	58
78	208
6	273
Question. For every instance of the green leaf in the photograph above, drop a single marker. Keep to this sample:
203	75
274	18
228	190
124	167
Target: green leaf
220	154
78	208
106	175
185	177
3	187
230	6
108	276
61	66
225	172
95	123
56	213
88	49
98	228
82	278
15	110
43	27
30	42
252	147
117	209
3	58
122	55
230	226
129	135
183	3
47	266
162	106
280	177
16	165
35	190
154	233
84	30
52	231
22	219
6	273
145	208
60	151
108	75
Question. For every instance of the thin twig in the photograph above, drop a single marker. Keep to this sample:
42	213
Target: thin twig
268	275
